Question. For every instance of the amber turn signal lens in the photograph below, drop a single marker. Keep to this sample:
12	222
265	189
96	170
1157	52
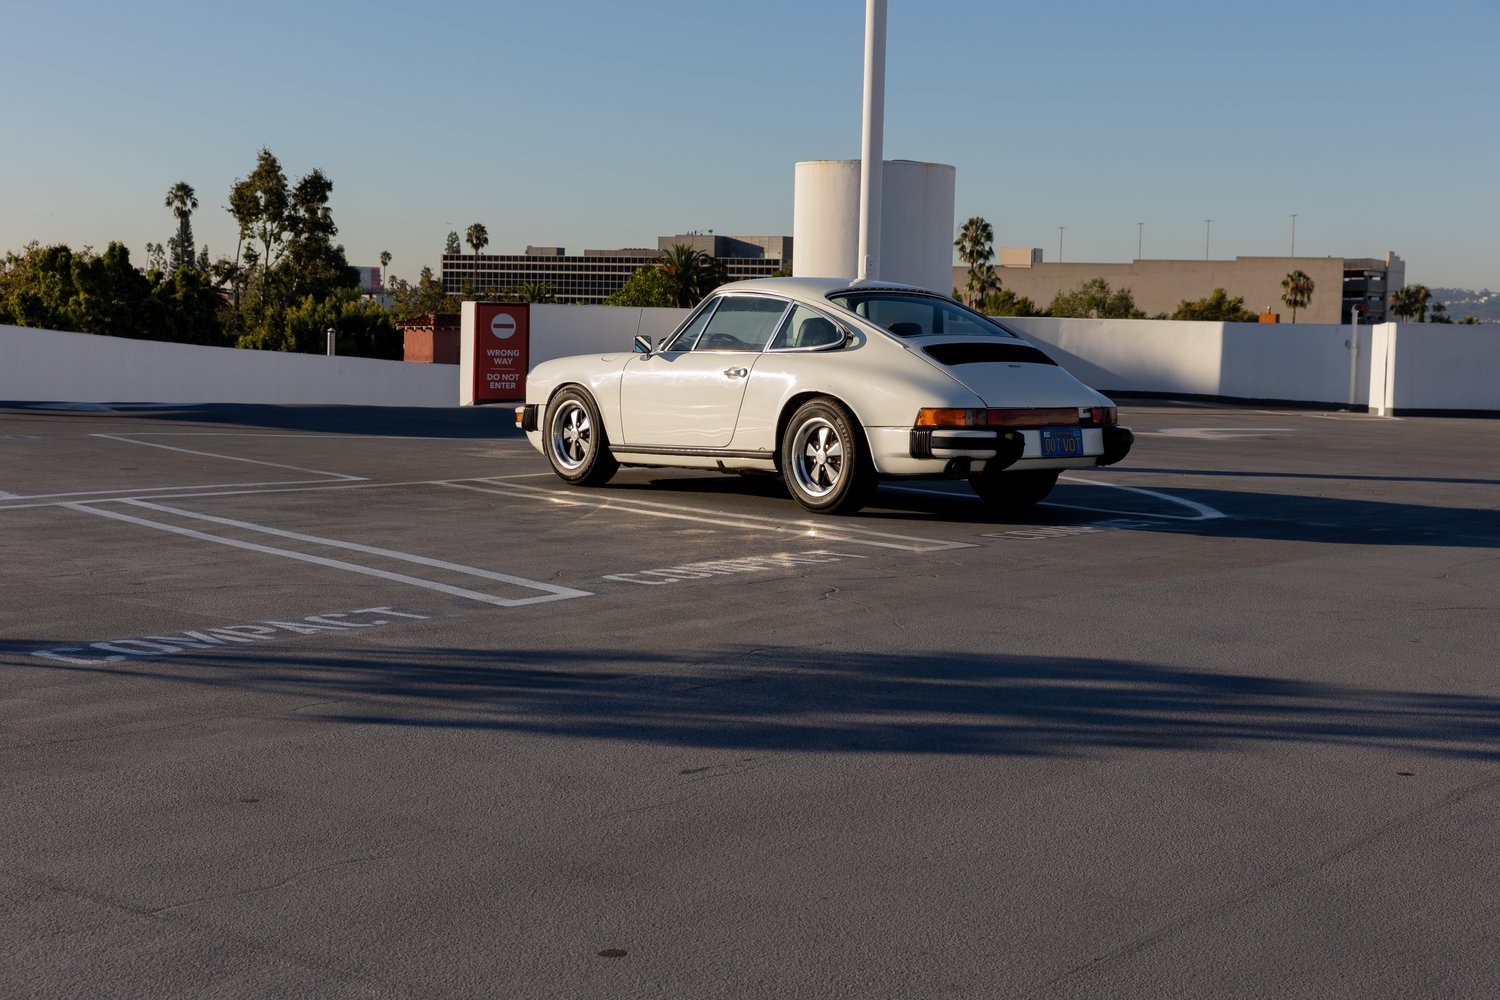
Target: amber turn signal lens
932	417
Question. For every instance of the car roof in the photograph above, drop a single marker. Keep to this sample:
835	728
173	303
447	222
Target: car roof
815	289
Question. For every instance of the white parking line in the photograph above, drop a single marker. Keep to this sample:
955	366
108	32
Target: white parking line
230	458
1204	512
1215	433
841	533
105	494
550	592
234	490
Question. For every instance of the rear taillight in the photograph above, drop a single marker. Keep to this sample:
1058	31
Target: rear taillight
1031	417
1100	415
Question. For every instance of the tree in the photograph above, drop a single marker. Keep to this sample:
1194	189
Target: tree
1410	301
182	200
975	245
57	289
287	238
477	237
1440	313
1218	307
423	298
1005	302
534	291
260	204
385	264
451	246
314	265
1094	300
691	274
1296	291
647	286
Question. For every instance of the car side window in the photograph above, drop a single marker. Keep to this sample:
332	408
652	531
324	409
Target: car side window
684	341
805	328
908	315
741	323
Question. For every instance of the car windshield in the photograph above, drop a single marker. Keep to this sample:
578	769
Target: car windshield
911	314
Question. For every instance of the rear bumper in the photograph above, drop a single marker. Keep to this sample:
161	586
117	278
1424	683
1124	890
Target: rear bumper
1117	442
940	451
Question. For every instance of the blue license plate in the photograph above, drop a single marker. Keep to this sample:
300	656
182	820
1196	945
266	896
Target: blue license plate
1062	442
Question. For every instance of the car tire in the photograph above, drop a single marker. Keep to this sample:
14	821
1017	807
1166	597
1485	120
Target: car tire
824	459
1013	492
574	441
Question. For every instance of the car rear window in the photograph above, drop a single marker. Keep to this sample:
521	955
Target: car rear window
907	314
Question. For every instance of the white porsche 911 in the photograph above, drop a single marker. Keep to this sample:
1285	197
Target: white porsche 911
834	385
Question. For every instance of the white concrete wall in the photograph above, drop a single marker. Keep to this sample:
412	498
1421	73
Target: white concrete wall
1422	367
1295	363
48	365
559	331
1443	367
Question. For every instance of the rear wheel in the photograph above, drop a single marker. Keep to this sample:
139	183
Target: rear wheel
825	461
1013	492
574	441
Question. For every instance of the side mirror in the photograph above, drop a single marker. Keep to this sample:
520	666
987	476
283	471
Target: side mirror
643	345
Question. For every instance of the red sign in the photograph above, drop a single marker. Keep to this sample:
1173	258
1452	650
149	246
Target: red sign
502	338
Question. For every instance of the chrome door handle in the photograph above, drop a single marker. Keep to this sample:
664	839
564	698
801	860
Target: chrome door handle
736	372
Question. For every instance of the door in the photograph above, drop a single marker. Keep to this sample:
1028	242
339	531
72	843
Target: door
688	396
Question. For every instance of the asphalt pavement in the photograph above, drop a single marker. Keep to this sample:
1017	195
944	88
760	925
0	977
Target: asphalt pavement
363	702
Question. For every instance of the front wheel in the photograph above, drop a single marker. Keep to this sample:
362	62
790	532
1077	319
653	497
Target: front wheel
825	461
1013	492
574	440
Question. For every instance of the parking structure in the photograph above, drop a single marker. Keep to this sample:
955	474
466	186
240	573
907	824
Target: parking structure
364	702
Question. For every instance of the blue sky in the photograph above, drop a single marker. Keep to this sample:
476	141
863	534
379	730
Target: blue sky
593	124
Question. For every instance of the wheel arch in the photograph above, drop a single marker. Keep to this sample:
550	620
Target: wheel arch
794	403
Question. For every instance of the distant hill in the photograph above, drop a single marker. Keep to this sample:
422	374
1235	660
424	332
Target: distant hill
1483	305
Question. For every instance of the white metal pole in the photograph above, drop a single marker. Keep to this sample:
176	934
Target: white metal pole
1354	356
873	153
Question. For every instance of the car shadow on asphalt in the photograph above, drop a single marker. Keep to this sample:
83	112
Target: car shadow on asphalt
801	699
1255	514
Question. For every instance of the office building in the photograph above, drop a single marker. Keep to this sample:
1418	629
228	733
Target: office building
597	274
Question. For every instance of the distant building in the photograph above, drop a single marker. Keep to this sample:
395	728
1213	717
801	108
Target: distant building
1339	283
598	274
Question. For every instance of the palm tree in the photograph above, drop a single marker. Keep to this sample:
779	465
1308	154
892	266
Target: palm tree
477	237
182	200
534	291
692	274
1296	291
1410	301
385	263
976	248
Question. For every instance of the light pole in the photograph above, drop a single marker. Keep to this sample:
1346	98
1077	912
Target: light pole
330	341
1059	243
1208	228
872	164
1140	228
1294	234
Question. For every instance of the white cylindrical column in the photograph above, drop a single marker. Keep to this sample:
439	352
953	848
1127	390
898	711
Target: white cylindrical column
917	222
